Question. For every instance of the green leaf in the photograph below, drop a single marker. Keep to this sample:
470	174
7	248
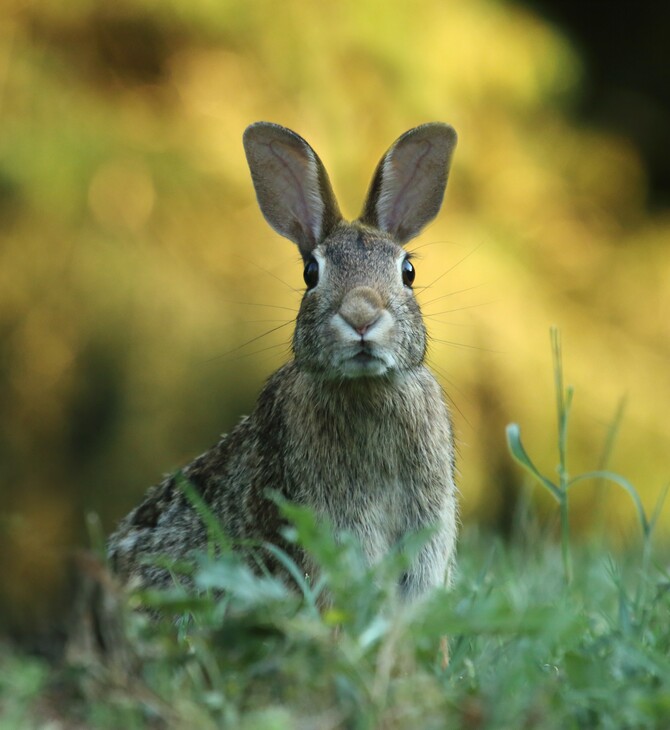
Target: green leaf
238	581
624	484
294	570
519	453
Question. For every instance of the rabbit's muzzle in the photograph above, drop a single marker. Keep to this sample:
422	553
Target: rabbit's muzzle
364	331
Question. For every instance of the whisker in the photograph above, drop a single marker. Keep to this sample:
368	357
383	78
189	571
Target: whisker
248	342
460	309
261	351
431	243
455	405
458	263
446	322
451	294
452	386
463	344
258	304
269	273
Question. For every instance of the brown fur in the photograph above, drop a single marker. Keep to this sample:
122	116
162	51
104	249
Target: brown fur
354	427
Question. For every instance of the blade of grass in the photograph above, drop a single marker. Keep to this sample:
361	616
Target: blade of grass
521	456
624	484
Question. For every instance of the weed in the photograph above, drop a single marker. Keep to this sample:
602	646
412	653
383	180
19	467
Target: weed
560	489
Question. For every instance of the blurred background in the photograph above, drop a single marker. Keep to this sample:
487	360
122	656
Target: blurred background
137	276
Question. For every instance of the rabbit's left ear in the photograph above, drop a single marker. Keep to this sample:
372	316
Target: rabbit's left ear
291	184
408	186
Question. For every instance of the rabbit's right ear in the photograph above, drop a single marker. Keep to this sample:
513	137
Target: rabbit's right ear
291	183
408	186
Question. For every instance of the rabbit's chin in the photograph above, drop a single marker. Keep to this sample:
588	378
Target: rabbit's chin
363	365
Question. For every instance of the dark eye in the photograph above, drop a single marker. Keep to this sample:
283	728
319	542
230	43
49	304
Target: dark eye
311	272
408	273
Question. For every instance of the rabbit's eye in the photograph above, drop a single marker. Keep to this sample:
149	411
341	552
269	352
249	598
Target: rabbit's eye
408	273
311	272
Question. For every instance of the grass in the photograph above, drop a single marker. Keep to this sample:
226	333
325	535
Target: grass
541	635
527	649
560	489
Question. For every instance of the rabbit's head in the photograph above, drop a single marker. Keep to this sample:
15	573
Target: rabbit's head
359	316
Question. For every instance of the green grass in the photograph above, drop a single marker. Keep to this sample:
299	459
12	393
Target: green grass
527	650
541	635
561	487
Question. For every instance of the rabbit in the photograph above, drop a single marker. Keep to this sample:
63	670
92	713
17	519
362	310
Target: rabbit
355	426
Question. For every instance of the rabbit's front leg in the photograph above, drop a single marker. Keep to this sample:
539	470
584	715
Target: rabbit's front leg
431	567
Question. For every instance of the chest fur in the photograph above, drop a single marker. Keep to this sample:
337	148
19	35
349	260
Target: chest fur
377	464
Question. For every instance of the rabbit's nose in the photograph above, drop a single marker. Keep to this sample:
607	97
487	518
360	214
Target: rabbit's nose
361	308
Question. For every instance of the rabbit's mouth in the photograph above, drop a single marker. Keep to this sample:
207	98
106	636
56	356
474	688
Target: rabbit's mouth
364	358
363	364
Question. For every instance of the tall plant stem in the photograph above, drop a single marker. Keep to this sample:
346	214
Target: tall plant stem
563	403
565	540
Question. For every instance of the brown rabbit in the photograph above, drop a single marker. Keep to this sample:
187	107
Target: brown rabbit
355	426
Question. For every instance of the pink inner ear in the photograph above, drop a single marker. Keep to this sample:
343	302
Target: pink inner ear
298	185
402	186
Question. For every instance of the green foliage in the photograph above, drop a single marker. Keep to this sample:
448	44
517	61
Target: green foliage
128	220
526	649
21	681
560	489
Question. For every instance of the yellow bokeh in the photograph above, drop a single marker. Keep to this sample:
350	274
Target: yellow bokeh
135	266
